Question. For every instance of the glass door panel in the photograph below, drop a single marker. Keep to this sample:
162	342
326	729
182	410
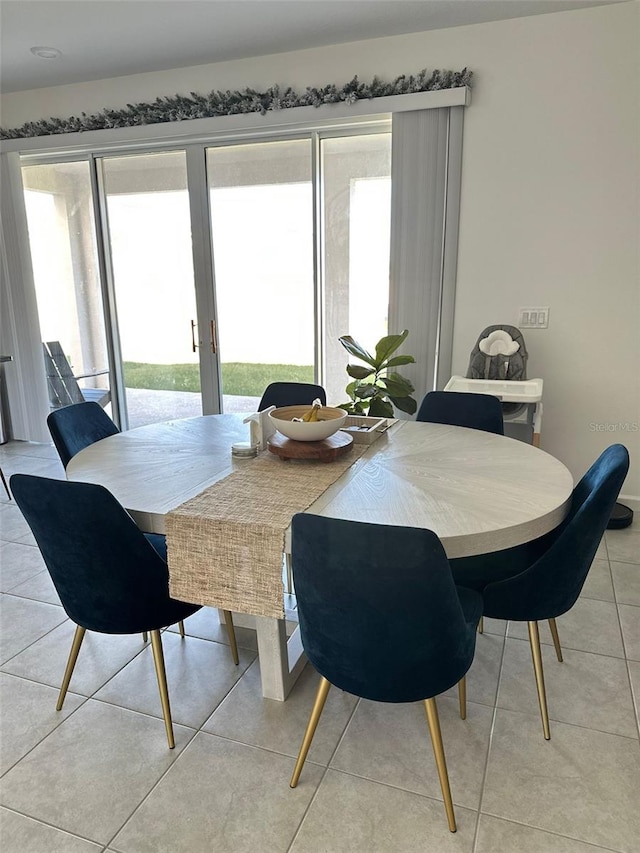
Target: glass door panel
64	257
356	200
269	309
262	229
149	235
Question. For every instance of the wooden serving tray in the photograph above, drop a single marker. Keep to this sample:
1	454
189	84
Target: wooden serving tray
365	430
325	451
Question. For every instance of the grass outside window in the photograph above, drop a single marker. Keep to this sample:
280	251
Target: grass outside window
238	378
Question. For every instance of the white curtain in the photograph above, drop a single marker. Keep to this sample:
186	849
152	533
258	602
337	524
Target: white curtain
19	326
425	197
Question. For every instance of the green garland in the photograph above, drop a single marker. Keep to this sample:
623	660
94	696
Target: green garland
218	103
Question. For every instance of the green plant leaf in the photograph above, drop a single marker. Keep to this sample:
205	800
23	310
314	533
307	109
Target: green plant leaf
405	404
359	372
396	386
400	359
354	348
365	391
375	394
349	407
351	390
388	345
402	379
380	408
395	389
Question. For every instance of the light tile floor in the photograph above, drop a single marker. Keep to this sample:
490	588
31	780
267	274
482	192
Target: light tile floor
98	776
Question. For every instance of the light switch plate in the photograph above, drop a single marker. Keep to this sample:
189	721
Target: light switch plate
533	318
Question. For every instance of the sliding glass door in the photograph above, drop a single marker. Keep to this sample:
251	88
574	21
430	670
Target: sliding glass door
164	274
64	257
356	213
145	234
262	221
294	271
148	231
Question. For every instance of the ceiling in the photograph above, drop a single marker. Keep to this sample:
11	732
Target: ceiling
112	38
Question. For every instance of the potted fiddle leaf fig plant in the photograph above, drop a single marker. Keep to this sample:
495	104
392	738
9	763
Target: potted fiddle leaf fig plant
377	388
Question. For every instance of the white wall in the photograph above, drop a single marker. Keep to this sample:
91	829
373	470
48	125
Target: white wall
550	206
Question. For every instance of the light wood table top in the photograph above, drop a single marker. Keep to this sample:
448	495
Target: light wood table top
479	492
153	469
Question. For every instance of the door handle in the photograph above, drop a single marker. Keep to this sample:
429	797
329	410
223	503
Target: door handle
194	345
214	343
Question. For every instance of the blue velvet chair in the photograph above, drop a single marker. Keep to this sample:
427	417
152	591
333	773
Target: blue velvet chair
475	411
547	578
75	427
380	617
110	577
291	394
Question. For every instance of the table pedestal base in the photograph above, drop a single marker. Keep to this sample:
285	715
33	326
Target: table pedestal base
281	659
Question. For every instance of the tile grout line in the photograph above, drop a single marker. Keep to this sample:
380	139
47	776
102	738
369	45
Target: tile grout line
476	833
324	773
196	732
627	660
52	826
151	789
634	699
581	725
44	737
555	834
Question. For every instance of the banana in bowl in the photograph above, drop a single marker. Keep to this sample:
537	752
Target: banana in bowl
328	421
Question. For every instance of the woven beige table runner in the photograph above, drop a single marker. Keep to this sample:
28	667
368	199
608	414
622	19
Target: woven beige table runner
225	546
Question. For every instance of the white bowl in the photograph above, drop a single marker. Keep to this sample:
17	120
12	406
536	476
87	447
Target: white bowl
329	421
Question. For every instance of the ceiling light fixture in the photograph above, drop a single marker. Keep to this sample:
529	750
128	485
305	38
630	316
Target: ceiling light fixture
46	52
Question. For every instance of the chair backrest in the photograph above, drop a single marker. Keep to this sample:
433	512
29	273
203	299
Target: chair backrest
379	613
63	383
63	386
553	583
108	576
505	364
459	408
75	427
291	394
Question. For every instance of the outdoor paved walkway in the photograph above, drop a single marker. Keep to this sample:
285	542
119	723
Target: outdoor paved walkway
148	407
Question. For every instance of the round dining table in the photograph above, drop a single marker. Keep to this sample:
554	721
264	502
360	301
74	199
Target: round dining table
478	491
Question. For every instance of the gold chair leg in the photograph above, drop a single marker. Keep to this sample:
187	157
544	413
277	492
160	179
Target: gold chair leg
536	654
316	711
289	568
4	483
481	625
462	697
438	751
228	618
161	675
181	628
556	639
78	637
